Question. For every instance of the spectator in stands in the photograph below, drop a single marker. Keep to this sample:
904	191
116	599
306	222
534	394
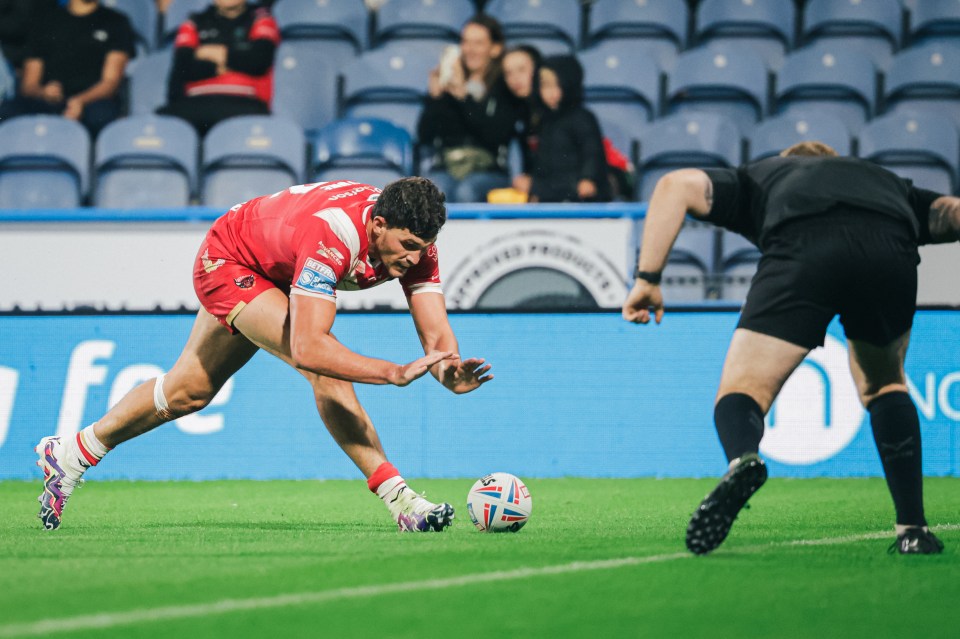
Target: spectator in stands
222	64
521	68
16	16
569	164
74	61
469	117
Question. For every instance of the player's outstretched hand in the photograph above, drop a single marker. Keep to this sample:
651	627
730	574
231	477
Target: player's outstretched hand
463	376
643	298
418	368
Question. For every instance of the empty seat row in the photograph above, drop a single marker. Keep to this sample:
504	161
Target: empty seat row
156	161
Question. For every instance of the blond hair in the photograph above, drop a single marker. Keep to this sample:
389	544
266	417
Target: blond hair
809	148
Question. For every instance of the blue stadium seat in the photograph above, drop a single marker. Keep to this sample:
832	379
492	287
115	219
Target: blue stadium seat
304	85
553	26
831	78
422	20
924	147
143	19
364	150
8	82
148	82
768	26
44	162
388	83
339	26
249	156
926	77
875	26
177	13
145	161
775	134
686	140
730	80
663	23
622	87
934	20
738	264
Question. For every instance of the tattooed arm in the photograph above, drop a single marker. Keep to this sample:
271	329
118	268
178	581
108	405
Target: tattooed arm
944	222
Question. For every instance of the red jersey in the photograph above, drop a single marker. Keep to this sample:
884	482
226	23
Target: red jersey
313	239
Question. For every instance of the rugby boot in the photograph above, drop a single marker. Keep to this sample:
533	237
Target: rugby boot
916	541
712	519
416	514
58	484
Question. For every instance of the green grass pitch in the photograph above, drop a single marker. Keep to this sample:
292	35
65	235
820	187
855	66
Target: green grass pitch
322	559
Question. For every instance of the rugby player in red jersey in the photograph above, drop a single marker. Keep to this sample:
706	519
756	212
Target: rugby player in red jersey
266	276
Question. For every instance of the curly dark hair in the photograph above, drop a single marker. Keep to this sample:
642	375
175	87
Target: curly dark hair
412	203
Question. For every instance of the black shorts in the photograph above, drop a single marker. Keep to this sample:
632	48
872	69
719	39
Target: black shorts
858	265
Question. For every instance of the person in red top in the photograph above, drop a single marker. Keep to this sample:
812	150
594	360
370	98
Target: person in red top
267	275
222	64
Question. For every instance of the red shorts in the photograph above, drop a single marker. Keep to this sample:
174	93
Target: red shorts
223	286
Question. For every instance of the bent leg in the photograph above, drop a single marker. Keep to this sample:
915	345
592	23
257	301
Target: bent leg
755	370
881	382
211	356
265	321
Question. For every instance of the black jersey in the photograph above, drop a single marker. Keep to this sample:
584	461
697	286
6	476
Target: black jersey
73	48
757	198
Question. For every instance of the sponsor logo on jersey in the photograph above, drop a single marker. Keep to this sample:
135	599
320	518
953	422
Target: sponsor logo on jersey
350	193
100	35
330	252
333	186
210	265
317	277
247	281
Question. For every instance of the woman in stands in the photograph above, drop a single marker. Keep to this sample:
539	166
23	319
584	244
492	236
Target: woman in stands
469	117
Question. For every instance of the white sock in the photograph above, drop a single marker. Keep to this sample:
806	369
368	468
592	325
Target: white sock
76	459
393	492
900	528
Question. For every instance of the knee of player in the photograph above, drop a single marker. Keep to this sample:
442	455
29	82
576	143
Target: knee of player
188	396
869	392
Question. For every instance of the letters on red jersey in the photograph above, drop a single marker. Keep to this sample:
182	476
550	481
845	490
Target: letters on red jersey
313	238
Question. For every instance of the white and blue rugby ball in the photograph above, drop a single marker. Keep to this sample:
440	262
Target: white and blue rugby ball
499	502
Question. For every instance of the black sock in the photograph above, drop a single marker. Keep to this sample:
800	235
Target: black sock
739	421
896	431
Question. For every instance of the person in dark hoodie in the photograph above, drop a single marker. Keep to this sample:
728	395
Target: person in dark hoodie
569	164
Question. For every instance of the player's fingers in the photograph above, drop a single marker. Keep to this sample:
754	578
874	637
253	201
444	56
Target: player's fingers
659	314
482	371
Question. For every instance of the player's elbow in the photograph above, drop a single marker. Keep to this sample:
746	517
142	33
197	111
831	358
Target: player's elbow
308	355
690	187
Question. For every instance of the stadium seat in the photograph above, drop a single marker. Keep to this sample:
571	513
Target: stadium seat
422	20
553	26
737	262
661	23
364	150
775	134
934	21
249	156
768	26
304	85
730	80
146	161
148	83
622	87
926	77
924	147
388	83
338	26
176	14
687	140
874	26
143	19
8	82
831	78
44	162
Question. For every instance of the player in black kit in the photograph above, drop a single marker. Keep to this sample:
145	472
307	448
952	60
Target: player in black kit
838	236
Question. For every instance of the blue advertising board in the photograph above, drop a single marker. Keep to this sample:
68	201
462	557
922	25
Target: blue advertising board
574	395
